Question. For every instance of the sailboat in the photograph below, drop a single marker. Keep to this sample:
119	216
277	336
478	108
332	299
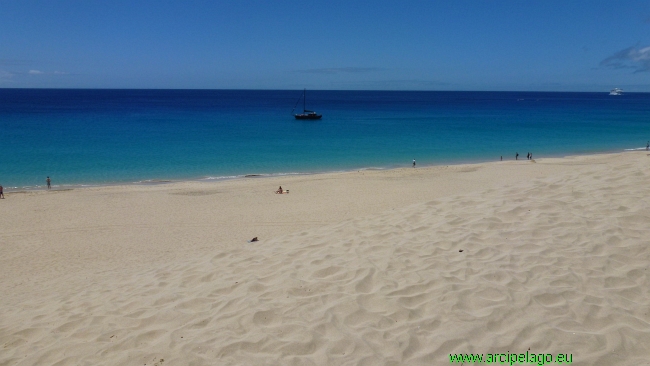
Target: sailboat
306	114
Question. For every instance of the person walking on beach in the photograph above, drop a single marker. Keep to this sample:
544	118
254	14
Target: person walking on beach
2	195
49	183
517	156
647	146
414	163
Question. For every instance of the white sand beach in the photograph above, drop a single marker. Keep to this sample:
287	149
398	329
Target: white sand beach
386	267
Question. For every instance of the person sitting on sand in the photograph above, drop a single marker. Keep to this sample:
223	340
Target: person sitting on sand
279	191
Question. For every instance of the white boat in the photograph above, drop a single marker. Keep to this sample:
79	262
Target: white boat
616	91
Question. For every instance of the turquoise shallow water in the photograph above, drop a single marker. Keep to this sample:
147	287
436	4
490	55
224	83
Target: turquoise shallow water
91	137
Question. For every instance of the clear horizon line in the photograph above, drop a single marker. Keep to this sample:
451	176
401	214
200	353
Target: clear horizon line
339	90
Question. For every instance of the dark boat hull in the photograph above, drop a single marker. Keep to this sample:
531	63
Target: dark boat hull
308	116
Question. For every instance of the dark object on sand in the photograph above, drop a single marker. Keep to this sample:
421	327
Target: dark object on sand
461	250
254	239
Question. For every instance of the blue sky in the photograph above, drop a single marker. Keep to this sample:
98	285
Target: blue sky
369	45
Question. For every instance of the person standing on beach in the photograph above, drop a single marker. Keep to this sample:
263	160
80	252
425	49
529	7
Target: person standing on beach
647	146
49	183
517	156
2	195
414	163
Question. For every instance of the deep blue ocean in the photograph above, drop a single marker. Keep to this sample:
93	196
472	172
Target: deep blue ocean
88	137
